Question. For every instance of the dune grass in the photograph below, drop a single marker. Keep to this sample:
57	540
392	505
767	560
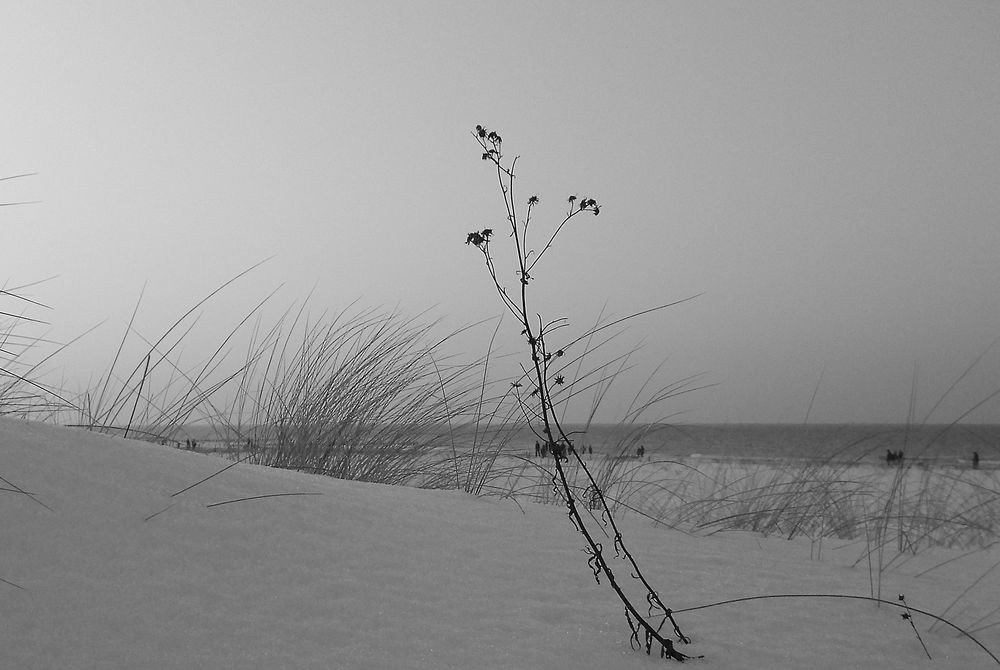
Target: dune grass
374	395
149	391
24	352
908	507
366	394
362	394
886	516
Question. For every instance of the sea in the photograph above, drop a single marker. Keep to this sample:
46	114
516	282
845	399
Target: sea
953	446
928	445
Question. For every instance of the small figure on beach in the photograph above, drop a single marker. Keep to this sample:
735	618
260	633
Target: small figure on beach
187	444
640	452
975	460
538	449
893	456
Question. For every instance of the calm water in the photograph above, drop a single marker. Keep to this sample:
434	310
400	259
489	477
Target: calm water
933	445
930	444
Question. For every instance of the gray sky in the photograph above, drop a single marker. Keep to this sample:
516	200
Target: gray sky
824	172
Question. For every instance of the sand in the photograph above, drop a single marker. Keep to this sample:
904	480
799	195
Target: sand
104	568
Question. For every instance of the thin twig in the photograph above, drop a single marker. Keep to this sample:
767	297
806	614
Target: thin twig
841	596
214	474
269	495
16	586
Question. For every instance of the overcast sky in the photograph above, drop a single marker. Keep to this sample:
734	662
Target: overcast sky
825	174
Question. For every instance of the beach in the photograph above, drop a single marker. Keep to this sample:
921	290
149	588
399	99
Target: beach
125	554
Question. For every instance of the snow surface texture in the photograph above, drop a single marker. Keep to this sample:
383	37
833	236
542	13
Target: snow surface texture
371	576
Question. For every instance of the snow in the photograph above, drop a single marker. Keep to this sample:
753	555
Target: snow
370	576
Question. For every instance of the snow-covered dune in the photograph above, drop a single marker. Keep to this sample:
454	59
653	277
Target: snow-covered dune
104	568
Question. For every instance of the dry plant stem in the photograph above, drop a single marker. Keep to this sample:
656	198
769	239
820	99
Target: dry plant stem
908	616
557	442
558	447
652	597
